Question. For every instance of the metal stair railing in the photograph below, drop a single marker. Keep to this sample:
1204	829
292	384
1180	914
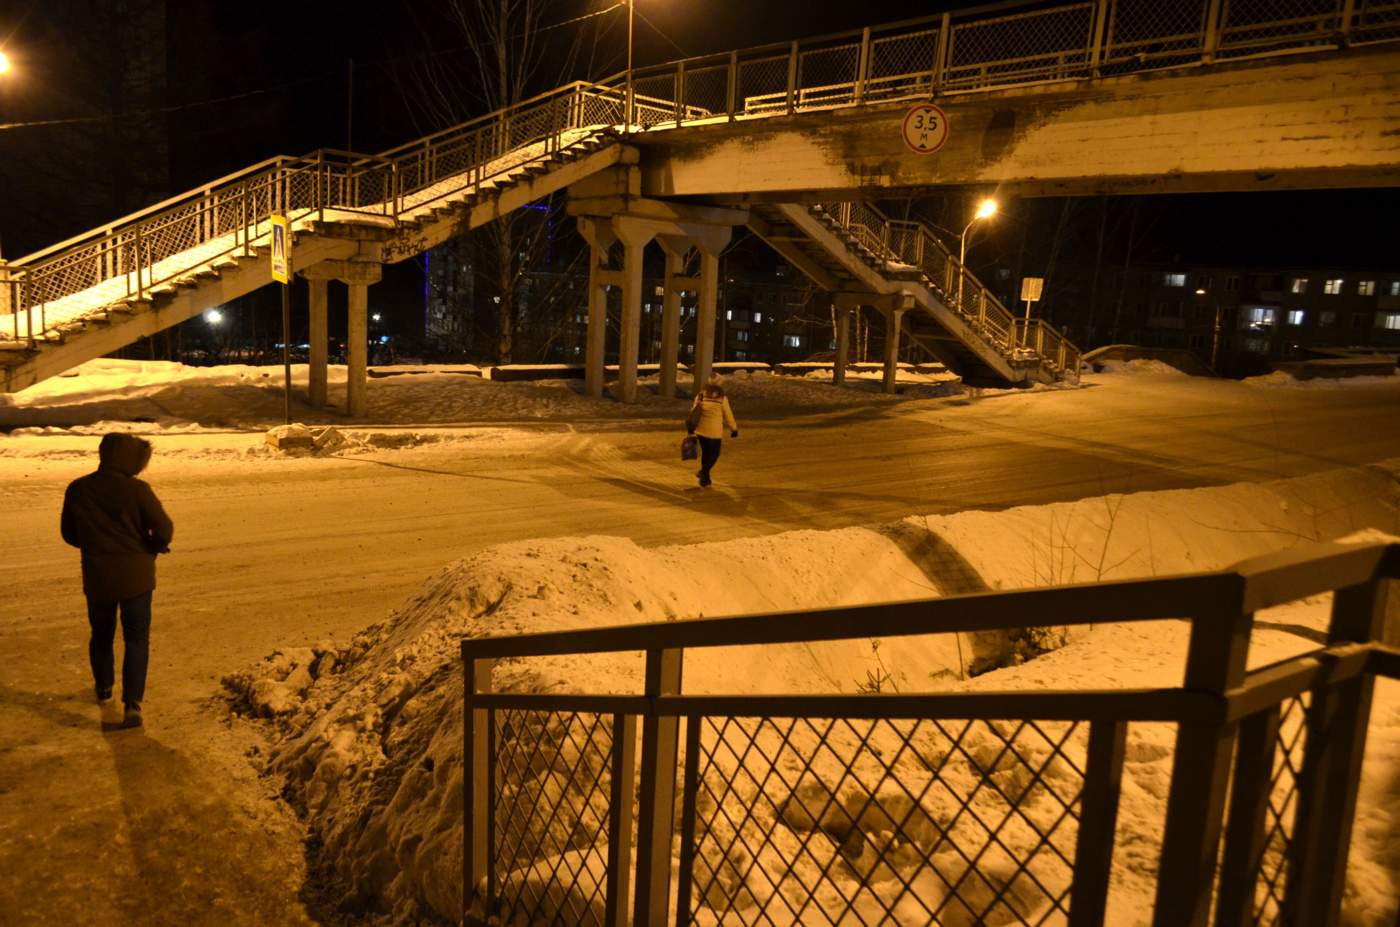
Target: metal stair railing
971	50
913	244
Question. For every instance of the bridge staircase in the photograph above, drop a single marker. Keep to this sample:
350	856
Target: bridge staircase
853	248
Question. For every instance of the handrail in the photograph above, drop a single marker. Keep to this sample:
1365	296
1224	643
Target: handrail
969	50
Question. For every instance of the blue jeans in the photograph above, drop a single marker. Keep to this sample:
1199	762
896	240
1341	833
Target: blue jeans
136	638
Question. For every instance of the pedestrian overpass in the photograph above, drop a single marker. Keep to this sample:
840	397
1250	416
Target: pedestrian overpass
795	141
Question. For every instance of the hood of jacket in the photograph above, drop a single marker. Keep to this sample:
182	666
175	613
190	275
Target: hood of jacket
126	454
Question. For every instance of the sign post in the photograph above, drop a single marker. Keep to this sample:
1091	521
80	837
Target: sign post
282	273
925	128
1031	288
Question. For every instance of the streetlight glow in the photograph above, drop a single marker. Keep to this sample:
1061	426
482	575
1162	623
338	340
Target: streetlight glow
4	63
986	209
214	316
1200	292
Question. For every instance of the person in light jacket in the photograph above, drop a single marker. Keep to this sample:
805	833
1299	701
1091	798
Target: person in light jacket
120	526
710	417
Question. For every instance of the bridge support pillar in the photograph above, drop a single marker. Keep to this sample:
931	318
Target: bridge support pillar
358	275
600	237
319	336
634	236
357	350
894	324
676	249
843	345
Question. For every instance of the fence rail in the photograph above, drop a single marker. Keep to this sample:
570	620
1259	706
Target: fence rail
933	808
971	50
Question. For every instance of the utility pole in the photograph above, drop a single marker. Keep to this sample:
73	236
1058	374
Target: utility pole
349	104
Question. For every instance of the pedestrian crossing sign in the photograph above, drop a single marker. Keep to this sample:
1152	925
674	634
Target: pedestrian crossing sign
281	249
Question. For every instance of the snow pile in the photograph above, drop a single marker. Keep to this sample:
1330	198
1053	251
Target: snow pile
1283	379
170	396
370	734
1141	365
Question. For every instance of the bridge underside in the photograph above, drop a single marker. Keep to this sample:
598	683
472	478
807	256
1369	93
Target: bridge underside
1314	121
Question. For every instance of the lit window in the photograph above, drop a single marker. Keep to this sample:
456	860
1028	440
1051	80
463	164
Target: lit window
1388	320
741	335
1260	316
758	317
1366	288
1296	316
1332	287
792	341
1300	285
729	315
1173	280
1395	288
1327	319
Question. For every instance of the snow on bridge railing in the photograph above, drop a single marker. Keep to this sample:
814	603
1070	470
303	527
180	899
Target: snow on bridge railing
981	48
941	807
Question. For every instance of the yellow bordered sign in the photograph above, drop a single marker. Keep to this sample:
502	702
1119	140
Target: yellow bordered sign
925	128
281	249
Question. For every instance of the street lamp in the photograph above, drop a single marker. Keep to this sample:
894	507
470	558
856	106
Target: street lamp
4	63
627	112
214	317
1215	341
985	210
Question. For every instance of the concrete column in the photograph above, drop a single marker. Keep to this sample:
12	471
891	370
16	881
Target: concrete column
705	317
671	314
633	249
894	321
594	372
843	346
356	350
319	337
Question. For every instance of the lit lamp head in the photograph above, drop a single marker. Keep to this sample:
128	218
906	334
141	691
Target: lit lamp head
986	209
4	63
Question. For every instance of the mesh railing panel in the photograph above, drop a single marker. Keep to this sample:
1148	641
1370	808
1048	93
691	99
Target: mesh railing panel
551	805
1280	812
763	85
707	89
1048	45
1149	33
1376	22
901	65
827	821
1250	27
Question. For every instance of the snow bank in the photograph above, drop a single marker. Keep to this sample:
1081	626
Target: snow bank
370	734
1141	365
1282	379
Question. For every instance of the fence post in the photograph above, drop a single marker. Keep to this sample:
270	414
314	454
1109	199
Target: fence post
1332	754
1344	25
476	793
792	78
1244	832
1098	816
680	92
1101	8
940	53
140	291
1215	663
1210	41
863	66
656	804
624	781
732	101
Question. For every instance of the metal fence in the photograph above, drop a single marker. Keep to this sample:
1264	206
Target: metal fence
935	808
970	50
904	244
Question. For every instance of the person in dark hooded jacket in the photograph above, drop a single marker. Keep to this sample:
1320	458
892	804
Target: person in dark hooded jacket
120	526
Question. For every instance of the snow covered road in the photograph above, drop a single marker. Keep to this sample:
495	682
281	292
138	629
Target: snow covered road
273	552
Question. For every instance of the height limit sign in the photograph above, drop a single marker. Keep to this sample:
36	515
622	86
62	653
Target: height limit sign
925	128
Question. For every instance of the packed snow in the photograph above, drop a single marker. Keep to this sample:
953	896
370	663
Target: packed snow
370	732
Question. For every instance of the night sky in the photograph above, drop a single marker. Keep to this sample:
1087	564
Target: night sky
242	84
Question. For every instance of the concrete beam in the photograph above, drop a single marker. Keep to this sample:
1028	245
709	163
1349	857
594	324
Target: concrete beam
1323	120
658	210
346	271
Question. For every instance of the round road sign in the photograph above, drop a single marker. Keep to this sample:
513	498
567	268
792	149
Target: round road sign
925	128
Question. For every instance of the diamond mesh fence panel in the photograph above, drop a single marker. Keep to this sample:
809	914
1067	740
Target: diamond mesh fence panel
1280	812
553	777
1376	22
763	85
706	91
827	821
655	97
1045	45
1251	27
1149	33
827	76
901	65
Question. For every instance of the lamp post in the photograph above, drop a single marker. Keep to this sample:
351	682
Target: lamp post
985	210
627	112
1215	340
